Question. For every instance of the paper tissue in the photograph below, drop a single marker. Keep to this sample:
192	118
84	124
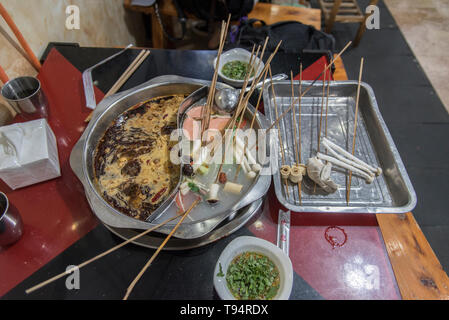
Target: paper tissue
28	154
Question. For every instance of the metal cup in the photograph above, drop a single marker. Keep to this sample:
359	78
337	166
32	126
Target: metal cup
25	94
11	226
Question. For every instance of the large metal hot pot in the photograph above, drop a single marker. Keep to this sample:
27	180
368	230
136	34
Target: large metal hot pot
81	160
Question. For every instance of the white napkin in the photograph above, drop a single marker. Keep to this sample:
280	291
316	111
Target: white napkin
28	154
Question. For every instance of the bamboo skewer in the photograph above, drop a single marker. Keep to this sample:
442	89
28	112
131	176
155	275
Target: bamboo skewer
254	82
299	131
322	107
294	119
207	110
299	111
348	186
309	87
279	131
231	123
295	135
242	101
137	278
124	77
101	255
252	121
327	102
321	117
242	94
245	102
257	80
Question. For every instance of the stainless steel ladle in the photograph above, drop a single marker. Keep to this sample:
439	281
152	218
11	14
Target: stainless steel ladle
226	99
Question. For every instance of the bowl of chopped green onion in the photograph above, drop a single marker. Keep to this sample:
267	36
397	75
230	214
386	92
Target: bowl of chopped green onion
234	66
251	268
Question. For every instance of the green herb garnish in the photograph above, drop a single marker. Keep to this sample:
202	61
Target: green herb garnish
253	276
236	70
193	187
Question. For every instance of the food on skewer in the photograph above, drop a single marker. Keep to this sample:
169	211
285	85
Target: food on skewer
368	178
256	167
286	170
350	159
222	178
297	172
232	187
213	193
320	174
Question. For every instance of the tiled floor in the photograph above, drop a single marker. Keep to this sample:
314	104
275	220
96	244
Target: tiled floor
425	26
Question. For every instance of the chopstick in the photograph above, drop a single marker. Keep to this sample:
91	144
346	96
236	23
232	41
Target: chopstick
101	255
137	278
3	76
33	59
124	77
348	186
128	72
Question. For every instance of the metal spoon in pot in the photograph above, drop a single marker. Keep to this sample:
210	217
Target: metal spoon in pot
226	99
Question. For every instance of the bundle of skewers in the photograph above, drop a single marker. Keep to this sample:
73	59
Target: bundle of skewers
319	167
203	151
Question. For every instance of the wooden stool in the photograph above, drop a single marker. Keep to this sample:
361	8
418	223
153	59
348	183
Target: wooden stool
344	11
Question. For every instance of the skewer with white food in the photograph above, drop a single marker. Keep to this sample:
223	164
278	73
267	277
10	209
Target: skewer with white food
285	171
368	178
349	158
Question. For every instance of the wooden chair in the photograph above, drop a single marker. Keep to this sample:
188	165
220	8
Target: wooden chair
344	11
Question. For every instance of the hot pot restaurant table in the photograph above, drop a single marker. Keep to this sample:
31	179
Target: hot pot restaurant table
381	257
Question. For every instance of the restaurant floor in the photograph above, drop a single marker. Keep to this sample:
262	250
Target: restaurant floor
415	116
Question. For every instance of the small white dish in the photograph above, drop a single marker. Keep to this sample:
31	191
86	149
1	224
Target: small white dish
240	55
253	244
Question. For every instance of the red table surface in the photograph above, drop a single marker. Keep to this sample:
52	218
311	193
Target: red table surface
56	213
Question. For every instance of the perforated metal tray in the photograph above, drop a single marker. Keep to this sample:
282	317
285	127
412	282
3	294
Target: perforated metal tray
392	192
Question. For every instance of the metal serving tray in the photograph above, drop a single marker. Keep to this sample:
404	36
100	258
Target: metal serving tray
391	192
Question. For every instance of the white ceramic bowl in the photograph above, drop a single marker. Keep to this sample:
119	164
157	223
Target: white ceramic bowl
241	55
253	244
